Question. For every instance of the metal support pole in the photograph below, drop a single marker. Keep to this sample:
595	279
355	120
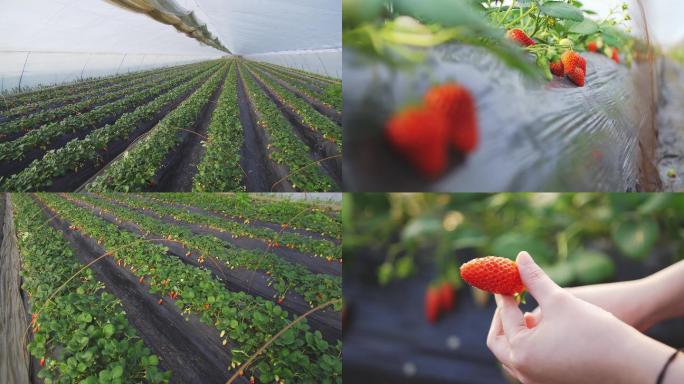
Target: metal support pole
122	60
23	68
322	65
84	66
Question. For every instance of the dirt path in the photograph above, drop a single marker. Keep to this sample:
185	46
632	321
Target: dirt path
14	359
252	155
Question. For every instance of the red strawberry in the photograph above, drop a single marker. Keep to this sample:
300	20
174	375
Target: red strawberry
615	56
160	302
42	362
420	135
493	274
432	304
570	59
557	68
582	63
577	76
458	106
447	296
592	47
520	37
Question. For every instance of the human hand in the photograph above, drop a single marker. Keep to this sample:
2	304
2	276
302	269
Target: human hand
568	340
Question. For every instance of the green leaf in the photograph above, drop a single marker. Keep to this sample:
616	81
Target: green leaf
585	27
635	238
562	10
108	330
117	371
592	267
562	273
511	243
420	227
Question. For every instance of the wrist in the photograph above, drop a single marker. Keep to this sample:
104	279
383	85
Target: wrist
643	359
663	301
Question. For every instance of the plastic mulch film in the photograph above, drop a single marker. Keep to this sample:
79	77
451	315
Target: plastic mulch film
534	136
671	124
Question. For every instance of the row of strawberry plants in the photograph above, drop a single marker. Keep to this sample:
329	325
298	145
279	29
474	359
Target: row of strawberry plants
295	214
309	116
283	276
244	321
285	148
55	115
81	333
305	74
112	86
136	170
79	152
319	248
46	93
41	138
329	95
220	167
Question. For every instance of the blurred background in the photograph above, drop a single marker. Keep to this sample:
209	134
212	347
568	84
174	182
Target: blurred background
398	245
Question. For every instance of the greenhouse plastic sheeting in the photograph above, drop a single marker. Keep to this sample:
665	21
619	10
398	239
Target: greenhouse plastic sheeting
533	135
52	41
324	62
671	124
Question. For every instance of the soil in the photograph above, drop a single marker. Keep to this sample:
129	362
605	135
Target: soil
191	349
261	173
328	322
319	147
180	167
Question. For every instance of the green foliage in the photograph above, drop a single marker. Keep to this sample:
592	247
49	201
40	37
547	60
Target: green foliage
571	235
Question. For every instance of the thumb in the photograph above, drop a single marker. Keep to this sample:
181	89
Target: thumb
536	281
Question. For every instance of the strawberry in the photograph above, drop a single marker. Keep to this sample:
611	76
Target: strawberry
447	295
458	107
615	56
577	76
570	59
432	303
420	135
592	47
519	36
493	274
582	63
557	68
160	302
42	361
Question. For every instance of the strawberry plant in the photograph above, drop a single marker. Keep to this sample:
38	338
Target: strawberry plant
318	248
80	333
282	275
43	136
220	168
244	322
135	170
330	95
311	118
284	147
302	215
79	152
